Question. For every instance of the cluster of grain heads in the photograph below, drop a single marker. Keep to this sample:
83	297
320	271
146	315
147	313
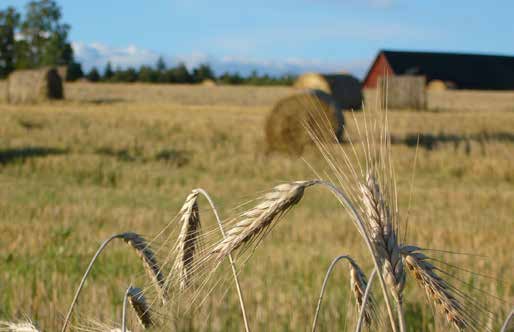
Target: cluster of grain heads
256	220
17	327
139	244
436	288
140	306
188	239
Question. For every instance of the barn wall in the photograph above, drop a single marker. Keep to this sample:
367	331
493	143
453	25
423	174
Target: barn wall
379	68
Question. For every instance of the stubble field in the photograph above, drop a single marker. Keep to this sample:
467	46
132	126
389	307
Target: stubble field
114	158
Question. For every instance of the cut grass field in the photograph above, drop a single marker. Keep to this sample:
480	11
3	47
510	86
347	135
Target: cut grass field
73	173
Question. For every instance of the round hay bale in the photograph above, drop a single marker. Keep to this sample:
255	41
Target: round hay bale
32	86
286	125
208	82
344	88
436	85
439	85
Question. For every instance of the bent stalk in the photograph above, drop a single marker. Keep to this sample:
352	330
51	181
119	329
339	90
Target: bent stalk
507	321
84	277
230	258
323	286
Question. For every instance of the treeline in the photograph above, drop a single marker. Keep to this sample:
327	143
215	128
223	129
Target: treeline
37	39
160	73
40	39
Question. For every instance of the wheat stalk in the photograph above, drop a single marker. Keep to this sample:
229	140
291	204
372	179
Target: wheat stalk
256	220
17	327
187	242
142	309
143	250
436	288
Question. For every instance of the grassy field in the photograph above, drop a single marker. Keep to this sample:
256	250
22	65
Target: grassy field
114	158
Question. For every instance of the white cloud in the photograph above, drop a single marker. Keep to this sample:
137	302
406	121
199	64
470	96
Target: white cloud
97	55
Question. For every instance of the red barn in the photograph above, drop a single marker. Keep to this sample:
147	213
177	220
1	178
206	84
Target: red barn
465	71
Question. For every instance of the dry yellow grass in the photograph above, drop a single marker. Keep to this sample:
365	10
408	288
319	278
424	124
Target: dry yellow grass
72	173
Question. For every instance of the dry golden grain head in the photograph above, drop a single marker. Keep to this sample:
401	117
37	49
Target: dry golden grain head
358	283
383	237
140	306
188	239
139	244
436	288
256	220
17	327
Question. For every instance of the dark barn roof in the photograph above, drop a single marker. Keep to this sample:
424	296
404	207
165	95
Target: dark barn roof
467	71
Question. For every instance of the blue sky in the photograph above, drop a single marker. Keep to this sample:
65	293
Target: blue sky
281	35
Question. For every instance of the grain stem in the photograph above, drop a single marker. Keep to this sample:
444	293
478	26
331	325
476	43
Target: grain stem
230	258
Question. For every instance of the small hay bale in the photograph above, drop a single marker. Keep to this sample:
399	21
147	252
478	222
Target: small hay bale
208	82
438	85
344	88
32	86
287	123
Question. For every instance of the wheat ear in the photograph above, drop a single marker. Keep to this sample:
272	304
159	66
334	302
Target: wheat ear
258	219
359	286
437	290
143	250
384	239
138	302
17	327
383	235
187	242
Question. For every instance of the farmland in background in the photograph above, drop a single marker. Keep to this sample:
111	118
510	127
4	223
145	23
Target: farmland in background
116	157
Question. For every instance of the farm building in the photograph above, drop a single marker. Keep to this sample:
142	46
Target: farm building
455	70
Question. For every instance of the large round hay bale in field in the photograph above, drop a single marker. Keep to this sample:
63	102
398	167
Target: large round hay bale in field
289	122
32	86
344	88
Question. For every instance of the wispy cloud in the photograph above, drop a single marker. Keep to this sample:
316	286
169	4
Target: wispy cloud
97	55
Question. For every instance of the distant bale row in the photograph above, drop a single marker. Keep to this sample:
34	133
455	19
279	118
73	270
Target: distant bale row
344	88
32	86
290	121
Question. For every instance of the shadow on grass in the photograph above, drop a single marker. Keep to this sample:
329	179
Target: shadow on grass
431	141
8	156
105	101
177	158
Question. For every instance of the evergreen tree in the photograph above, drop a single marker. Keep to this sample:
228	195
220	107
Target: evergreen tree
74	72
108	72
93	75
9	22
161	65
203	72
